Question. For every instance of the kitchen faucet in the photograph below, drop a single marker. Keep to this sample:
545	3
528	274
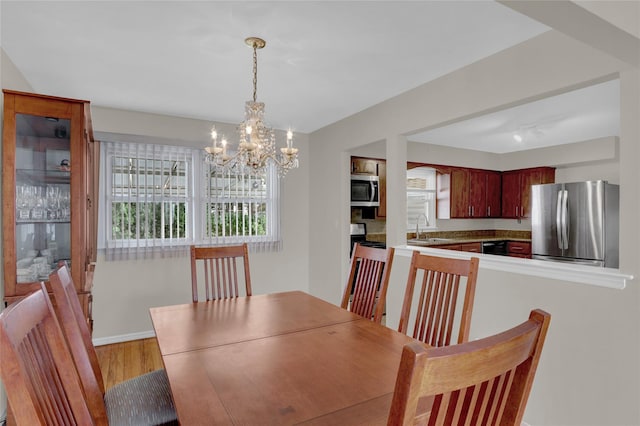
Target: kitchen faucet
426	222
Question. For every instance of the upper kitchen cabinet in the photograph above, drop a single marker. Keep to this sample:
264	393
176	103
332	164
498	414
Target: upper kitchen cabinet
50	166
364	166
459	196
516	189
474	193
493	193
373	167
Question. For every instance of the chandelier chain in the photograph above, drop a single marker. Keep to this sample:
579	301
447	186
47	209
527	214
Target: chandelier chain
255	72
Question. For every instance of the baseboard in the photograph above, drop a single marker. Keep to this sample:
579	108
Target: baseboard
123	338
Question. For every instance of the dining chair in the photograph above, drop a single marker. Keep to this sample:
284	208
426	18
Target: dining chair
439	292
41	381
220	271
142	400
486	381
366	290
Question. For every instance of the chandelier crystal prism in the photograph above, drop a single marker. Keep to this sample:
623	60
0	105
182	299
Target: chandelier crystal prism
257	142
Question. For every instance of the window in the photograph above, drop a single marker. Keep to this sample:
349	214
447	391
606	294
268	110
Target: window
240	207
421	198
151	207
149	199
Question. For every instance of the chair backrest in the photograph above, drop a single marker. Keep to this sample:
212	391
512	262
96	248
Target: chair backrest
485	381
78	336
368	281
439	287
37	369
220	271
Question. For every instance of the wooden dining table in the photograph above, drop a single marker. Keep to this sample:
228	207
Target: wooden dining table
277	359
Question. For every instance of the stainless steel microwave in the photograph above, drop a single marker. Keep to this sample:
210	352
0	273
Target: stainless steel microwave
365	191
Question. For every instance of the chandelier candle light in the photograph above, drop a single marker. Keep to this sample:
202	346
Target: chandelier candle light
256	147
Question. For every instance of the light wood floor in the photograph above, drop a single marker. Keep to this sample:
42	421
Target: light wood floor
122	361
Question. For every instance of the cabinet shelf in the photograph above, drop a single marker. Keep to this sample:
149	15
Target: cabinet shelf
35	176
32	221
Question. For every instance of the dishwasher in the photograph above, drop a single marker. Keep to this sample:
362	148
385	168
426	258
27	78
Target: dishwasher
495	247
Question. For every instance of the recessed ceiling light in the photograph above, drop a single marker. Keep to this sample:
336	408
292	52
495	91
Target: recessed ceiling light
517	137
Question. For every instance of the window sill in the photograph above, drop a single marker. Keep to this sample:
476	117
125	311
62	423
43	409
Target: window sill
601	277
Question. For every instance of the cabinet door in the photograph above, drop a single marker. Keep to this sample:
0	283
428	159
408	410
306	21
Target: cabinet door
93	172
459	193
478	193
494	194
510	194
381	211
547	175
365	166
44	190
516	189
528	178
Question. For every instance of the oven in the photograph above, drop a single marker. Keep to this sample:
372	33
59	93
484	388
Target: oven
358	234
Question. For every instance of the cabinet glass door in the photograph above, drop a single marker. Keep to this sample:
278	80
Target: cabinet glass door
43	196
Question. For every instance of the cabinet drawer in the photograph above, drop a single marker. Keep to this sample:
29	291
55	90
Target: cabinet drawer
519	248
449	246
471	247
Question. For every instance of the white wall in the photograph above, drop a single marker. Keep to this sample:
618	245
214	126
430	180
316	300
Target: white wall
583	376
589	373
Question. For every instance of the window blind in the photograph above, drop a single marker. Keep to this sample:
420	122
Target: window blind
149	193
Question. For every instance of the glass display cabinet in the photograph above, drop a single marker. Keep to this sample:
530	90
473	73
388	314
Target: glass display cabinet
49	180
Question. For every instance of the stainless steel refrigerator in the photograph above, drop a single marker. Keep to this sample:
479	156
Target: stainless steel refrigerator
576	222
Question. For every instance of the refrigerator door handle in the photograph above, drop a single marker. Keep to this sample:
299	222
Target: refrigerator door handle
565	213
559	220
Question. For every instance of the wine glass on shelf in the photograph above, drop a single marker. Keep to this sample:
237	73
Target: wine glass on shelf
53	202
38	210
65	204
22	202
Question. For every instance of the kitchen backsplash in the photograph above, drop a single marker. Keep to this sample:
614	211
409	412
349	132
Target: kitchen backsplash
490	233
375	226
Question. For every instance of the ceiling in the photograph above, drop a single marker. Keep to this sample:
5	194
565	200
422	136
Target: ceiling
580	115
324	61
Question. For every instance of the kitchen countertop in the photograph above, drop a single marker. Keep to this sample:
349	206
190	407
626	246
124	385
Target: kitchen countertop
430	242
438	238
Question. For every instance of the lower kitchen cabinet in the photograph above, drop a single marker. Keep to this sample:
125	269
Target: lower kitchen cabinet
449	247
519	249
470	247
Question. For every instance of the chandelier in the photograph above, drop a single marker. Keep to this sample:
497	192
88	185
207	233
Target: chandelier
256	146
